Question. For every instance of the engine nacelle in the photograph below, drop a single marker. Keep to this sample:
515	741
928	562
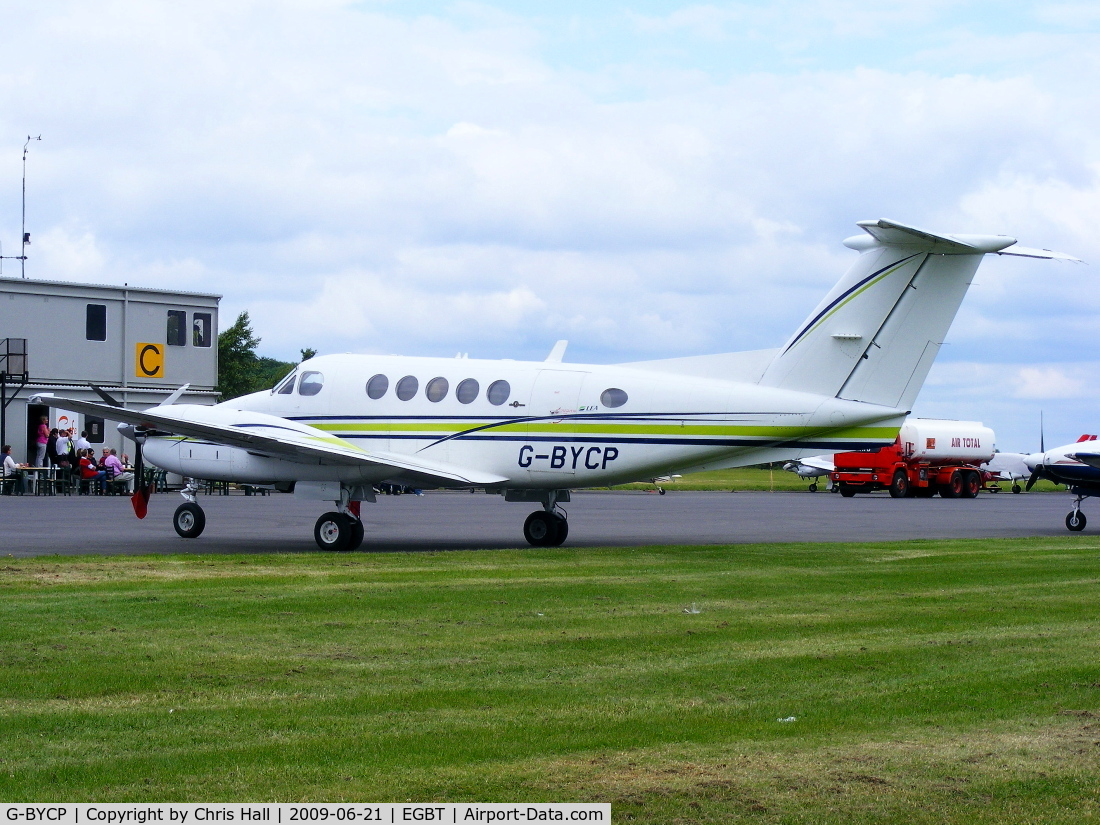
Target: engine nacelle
193	458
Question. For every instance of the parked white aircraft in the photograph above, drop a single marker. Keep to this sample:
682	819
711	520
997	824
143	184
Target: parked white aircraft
1008	467
532	431
813	467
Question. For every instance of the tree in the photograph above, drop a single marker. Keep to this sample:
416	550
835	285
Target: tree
237	358
240	369
308	353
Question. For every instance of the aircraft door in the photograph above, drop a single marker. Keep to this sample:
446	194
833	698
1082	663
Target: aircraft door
553	409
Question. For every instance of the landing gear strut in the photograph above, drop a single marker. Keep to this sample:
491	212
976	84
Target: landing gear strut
1076	520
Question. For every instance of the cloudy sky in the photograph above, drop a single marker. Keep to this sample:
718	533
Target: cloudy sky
646	178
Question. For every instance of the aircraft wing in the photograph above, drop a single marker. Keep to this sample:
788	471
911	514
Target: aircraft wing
819	462
269	435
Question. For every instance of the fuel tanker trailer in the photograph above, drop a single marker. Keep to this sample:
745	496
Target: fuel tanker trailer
930	456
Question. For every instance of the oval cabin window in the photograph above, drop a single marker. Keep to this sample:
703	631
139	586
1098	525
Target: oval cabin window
467	391
377	386
310	383
613	397
498	393
437	389
407	387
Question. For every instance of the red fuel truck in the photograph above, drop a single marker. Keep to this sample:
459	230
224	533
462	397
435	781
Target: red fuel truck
930	456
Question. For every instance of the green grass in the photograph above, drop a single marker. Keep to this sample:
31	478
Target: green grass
929	681
777	479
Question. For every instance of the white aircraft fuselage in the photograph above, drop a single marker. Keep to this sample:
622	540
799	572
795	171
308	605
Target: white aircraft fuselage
547	426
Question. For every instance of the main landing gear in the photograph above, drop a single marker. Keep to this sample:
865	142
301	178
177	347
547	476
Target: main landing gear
340	531
1076	520
547	527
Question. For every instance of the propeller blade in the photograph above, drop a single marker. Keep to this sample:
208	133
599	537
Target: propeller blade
1042	439
1036	474
140	498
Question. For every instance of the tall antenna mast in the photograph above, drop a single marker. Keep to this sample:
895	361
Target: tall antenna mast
26	237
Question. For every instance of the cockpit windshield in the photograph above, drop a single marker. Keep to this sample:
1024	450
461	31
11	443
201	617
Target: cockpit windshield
286	386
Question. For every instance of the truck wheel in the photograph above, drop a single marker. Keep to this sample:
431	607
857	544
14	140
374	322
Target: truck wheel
954	486
846	491
972	484
899	487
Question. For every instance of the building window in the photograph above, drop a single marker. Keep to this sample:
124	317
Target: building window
437	389
466	392
498	392
93	426
201	329
95	322
177	328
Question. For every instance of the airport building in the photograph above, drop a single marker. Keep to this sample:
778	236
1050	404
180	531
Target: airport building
139	345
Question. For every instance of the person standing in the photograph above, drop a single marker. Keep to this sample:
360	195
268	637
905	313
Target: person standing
63	448
82	444
51	448
43	439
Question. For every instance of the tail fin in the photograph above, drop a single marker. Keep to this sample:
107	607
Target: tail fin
875	335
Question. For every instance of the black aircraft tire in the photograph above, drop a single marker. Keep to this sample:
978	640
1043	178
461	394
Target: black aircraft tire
1015	487
1076	521
357	533
332	532
540	529
813	486
561	531
189	520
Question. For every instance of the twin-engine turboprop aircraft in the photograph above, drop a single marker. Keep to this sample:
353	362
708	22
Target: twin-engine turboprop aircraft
532	431
1076	465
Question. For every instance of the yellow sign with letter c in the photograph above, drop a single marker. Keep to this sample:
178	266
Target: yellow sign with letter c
149	361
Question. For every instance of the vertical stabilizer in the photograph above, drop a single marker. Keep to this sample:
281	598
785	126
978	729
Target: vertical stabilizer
874	336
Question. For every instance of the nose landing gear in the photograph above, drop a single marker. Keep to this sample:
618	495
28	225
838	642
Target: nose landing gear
189	519
1076	520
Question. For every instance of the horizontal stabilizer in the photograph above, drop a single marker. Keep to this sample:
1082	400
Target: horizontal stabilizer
892	233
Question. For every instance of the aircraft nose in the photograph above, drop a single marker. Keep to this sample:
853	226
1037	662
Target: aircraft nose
1033	460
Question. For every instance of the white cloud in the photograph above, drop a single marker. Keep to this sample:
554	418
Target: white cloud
365	178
